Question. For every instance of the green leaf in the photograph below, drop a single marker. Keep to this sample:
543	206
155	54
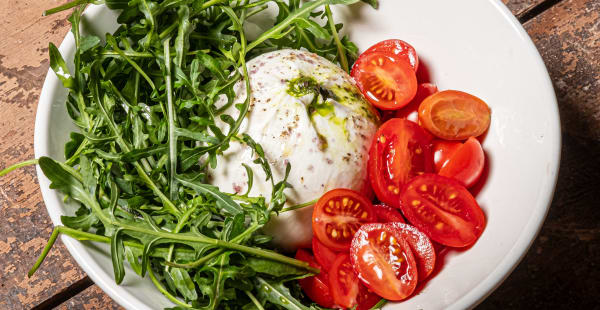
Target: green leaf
58	65
184	284
313	27
88	42
277	293
73	144
275	269
373	3
211	64
116	254
83	222
224	202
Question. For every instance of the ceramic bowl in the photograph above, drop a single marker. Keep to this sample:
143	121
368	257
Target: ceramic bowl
472	45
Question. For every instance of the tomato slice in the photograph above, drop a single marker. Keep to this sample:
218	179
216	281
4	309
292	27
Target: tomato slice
399	48
454	115
442	151
384	261
387	214
400	151
366	299
324	255
337	216
388	82
343	282
316	287
411	111
443	209
421	246
466	163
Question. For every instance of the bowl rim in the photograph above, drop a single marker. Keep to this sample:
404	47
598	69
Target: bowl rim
80	253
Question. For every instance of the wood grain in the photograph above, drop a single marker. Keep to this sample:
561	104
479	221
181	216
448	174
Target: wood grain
25	224
92	298
520	7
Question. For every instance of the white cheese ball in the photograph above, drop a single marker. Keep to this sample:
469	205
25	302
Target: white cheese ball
326	144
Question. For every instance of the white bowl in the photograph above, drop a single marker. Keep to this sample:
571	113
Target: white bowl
471	45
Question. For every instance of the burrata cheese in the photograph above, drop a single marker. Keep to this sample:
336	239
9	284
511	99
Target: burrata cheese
305	111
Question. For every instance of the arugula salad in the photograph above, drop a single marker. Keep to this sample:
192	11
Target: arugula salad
150	131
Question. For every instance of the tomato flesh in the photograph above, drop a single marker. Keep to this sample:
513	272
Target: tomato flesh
324	255
387	214
316	287
443	209
421	246
454	115
400	151
399	48
384	261
465	164
366	299
337	216
386	81
343	282
442	151
411	111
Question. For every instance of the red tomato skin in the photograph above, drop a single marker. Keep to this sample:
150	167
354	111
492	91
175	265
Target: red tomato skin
316	287
321	218
368	68
421	246
443	151
410	136
465	220
366	299
466	163
395	280
344	293
387	214
411	111
399	48
323	255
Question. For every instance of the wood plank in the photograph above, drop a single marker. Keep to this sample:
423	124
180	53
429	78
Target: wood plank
568	38
93	298
25	224
560	270
520	7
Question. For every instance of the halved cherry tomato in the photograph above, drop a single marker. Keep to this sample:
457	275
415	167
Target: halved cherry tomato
343	282
316	287
384	261
388	82
387	214
454	115
411	111
399	48
421	246
466	163
337	216
442	151
400	151
443	209
324	255
366	299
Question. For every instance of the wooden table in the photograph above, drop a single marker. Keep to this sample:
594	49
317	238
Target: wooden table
561	269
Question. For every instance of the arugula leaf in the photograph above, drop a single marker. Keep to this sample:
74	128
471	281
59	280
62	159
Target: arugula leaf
277	293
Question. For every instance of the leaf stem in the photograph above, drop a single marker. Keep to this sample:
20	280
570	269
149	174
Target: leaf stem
340	46
66	6
163	290
300	206
8	169
171	123
254	300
